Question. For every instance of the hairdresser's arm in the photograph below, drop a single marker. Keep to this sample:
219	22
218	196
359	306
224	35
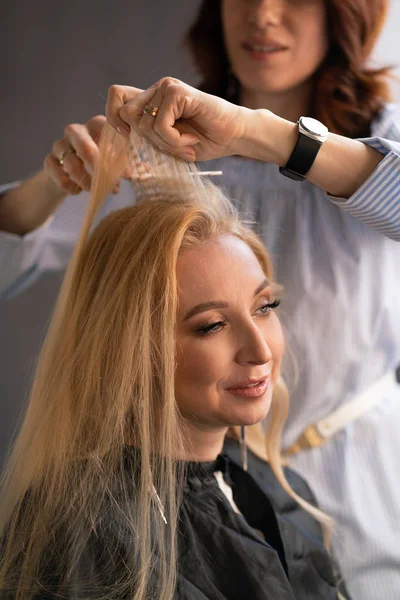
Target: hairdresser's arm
361	177
31	243
272	139
198	126
28	206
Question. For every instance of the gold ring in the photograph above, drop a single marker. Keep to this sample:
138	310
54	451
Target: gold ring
150	110
64	154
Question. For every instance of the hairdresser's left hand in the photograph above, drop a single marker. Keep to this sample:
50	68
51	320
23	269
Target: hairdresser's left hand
189	123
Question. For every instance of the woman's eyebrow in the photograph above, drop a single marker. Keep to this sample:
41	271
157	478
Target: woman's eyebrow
218	304
203	307
262	285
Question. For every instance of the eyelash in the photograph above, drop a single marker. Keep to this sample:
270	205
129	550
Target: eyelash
214	327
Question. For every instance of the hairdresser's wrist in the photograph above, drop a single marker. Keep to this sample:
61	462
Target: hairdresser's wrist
267	137
28	206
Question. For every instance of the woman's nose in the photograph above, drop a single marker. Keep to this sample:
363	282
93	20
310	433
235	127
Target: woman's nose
265	13
254	348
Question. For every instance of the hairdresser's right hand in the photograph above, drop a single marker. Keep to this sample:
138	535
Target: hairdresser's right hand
187	123
29	205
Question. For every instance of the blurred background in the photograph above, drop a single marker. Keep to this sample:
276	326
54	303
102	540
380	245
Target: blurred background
57	62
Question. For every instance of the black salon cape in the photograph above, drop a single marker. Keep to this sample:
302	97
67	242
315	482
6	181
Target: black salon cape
221	554
222	557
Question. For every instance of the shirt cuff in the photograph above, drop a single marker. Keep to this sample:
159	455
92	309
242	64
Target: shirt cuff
7	187
377	201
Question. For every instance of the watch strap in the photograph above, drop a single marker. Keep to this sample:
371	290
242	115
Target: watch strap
302	158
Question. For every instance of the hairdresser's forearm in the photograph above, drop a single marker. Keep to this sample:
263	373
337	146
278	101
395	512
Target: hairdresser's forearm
340	168
29	205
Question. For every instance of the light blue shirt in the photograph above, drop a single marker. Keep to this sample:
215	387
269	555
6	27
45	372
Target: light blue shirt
339	261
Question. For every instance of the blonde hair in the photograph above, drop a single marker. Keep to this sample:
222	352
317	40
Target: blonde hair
105	381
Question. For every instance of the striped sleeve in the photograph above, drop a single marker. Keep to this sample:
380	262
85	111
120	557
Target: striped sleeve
377	202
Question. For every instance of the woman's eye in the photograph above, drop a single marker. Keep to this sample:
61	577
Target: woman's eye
210	328
268	307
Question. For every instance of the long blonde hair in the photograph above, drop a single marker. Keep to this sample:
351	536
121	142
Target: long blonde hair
105	381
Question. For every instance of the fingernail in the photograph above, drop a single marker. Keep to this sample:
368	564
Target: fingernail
122	132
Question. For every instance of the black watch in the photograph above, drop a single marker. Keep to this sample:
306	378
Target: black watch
312	134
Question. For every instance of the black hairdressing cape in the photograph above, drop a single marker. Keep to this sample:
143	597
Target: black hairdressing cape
222	554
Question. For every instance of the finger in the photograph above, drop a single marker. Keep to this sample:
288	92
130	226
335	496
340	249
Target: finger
72	165
57	174
172	104
84	145
95	127
61	147
147	130
161	128
118	96
132	111
75	169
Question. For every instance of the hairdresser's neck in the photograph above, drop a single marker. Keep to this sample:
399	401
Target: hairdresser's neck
204	443
290	104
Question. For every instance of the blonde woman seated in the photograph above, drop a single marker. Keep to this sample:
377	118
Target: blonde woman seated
122	483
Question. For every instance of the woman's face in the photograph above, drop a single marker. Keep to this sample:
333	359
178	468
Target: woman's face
274	45
229	340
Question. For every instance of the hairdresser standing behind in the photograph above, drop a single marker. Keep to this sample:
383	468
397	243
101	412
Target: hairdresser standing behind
336	255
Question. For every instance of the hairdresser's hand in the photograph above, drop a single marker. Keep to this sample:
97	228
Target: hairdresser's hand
78	152
29	205
190	124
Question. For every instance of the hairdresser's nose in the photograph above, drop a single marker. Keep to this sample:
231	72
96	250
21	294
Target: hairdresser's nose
265	13
253	346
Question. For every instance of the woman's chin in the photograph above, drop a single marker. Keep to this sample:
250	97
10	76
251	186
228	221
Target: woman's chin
252	414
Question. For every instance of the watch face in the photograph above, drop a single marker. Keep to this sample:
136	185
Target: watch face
313	128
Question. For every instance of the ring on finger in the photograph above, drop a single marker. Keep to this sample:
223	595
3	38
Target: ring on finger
150	110
64	154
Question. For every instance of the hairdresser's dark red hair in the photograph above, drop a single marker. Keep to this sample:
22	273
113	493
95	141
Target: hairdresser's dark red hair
348	94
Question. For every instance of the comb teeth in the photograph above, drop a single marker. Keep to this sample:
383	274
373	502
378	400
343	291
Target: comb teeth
152	171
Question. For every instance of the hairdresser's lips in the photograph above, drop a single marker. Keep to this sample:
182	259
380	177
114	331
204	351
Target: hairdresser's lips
251	388
264	50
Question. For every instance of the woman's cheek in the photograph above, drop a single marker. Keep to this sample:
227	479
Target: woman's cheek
202	362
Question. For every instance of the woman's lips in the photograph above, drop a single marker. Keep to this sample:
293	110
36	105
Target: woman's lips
262	53
251	390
